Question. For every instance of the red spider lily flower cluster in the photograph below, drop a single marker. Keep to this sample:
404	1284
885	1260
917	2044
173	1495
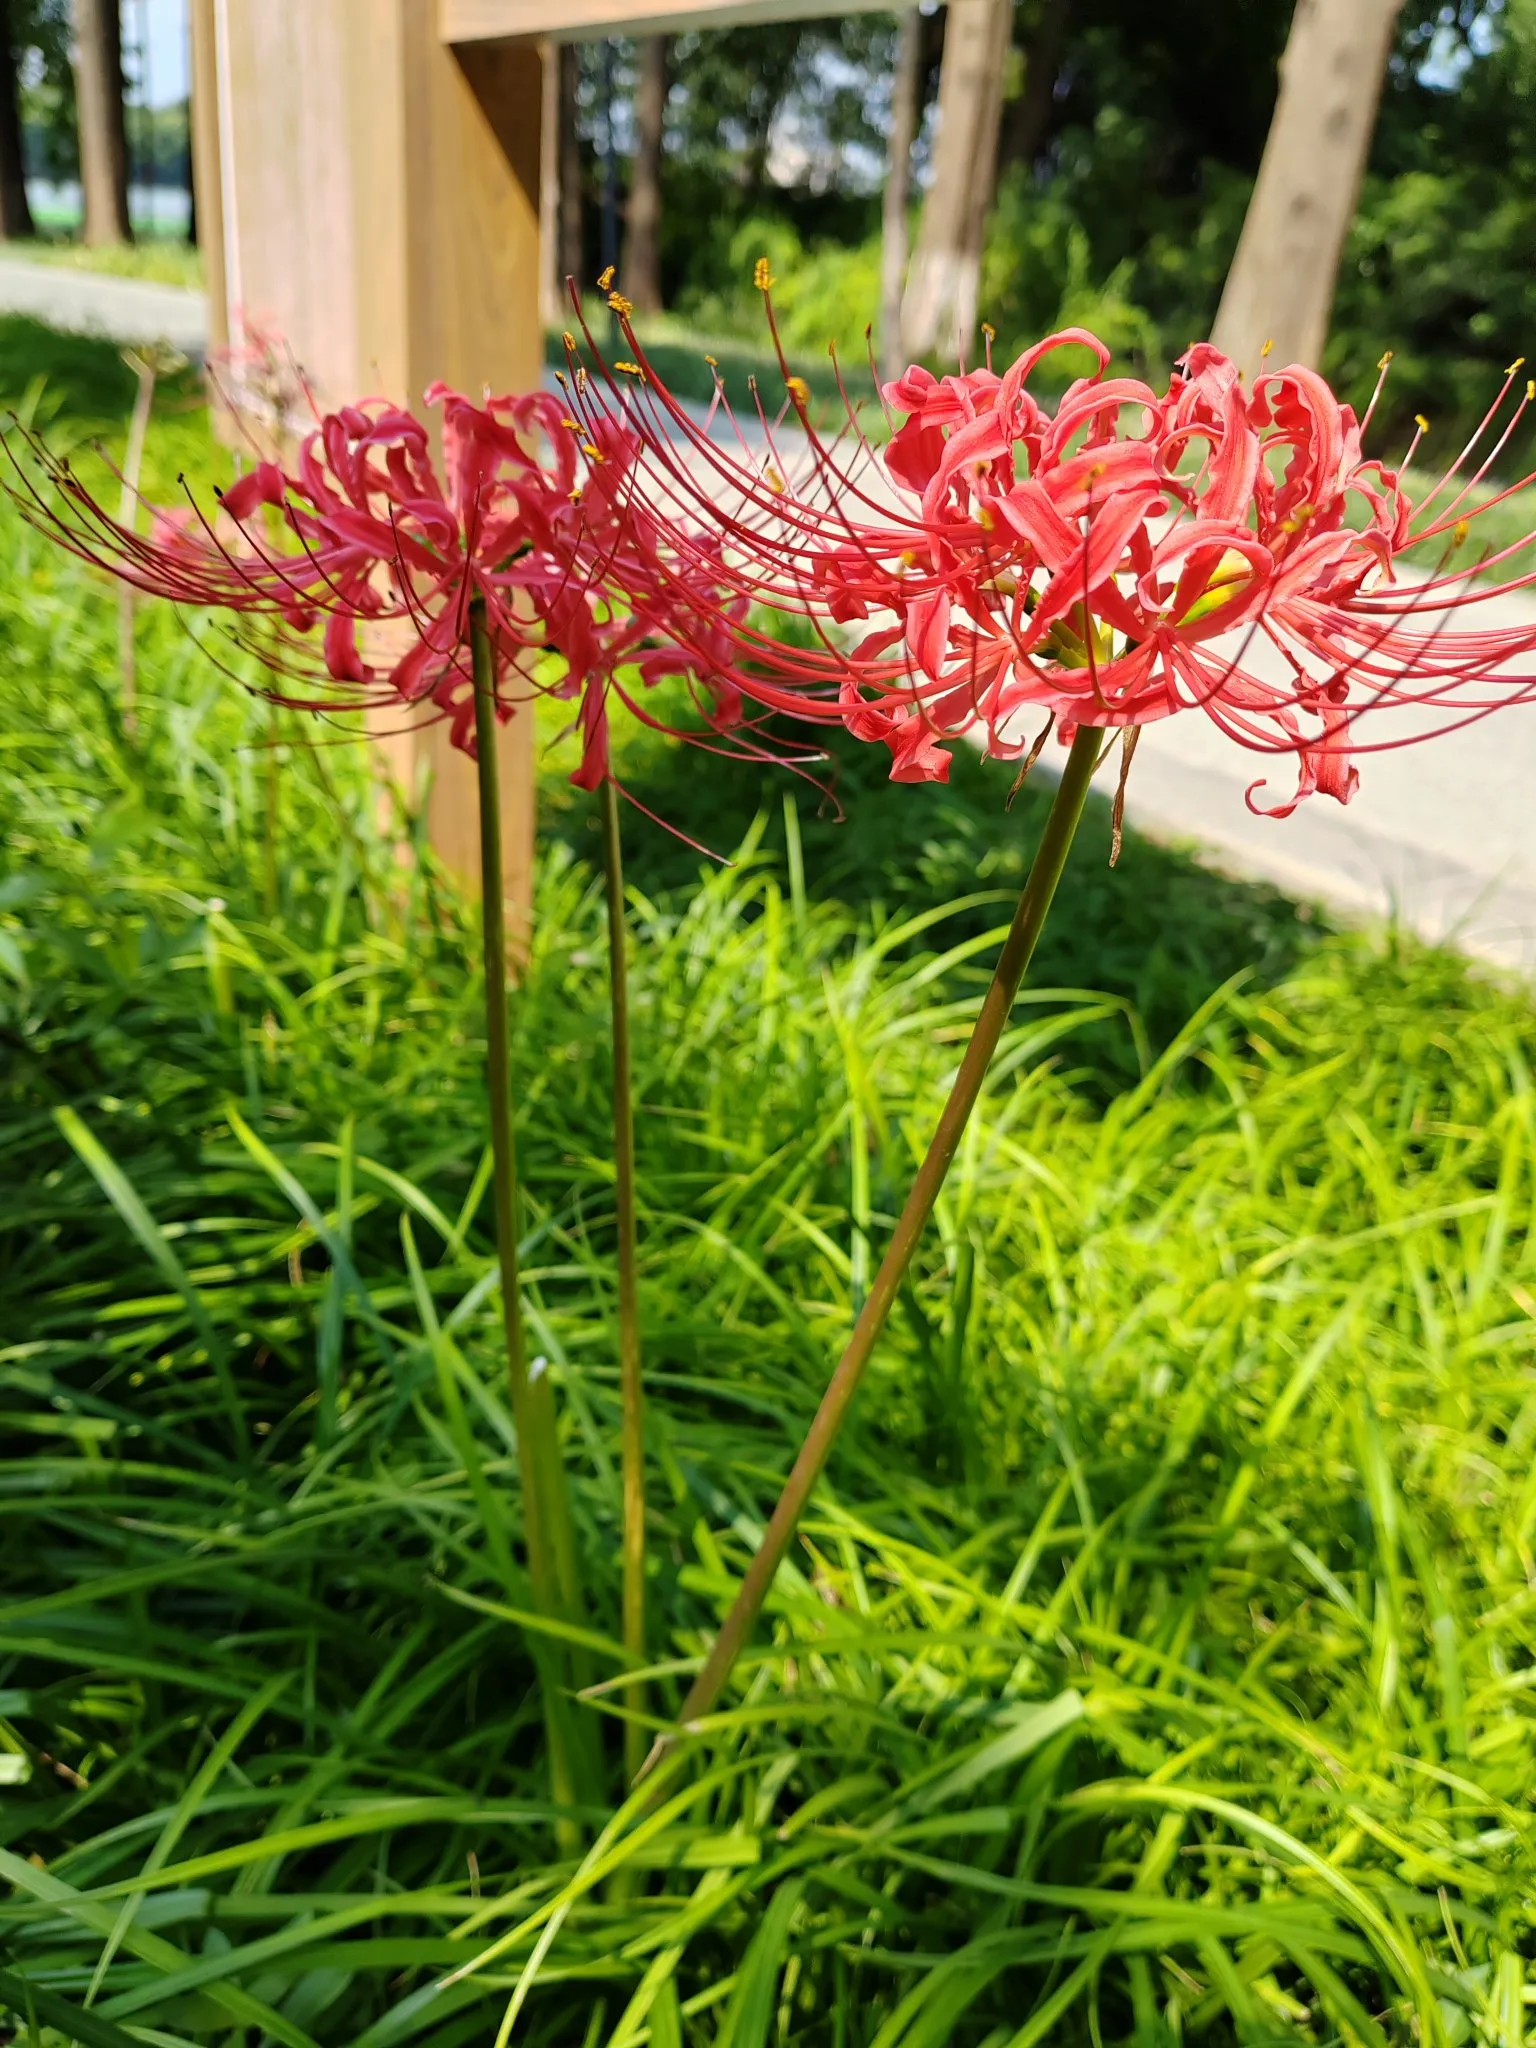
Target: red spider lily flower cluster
365	530
1111	560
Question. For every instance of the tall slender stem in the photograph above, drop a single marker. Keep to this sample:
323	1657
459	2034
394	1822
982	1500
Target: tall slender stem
127	511
538	1448
1039	889
630	1382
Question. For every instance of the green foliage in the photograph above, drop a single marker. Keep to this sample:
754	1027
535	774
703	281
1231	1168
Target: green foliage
1155	1665
1128	212
158	261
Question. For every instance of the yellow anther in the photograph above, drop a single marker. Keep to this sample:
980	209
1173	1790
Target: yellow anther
1460	531
1421	423
1266	351
617	303
986	519
1517	364
592	452
908	559
713	362
798	390
775	481
575	496
989	330
762	276
1386	359
1530	389
570	341
630	369
574	425
606	279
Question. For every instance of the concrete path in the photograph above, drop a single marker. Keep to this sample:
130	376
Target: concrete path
119	308
1441	837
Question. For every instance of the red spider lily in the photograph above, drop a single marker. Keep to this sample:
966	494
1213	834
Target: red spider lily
1122	556
366	529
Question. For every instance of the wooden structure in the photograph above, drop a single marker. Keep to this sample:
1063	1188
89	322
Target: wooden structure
368	189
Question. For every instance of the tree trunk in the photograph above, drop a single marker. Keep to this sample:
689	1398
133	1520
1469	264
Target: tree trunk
103	130
940	307
906	96
1027	119
641	267
1281	284
572	257
15	213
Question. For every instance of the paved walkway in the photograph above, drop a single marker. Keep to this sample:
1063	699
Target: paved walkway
1441	836
120	308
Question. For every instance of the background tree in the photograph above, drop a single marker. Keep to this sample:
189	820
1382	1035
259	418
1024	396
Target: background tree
641	267
906	112
103	129
941	301
15	213
1281	286
1040	35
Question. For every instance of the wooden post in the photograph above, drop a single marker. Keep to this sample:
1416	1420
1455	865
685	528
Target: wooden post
381	216
207	178
377	169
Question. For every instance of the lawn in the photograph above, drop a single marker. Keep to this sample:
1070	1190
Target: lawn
1157	1664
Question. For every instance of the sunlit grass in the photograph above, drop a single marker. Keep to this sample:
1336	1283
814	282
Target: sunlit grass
156	259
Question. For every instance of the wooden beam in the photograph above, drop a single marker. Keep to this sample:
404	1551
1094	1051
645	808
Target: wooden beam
470	21
381	216
207	176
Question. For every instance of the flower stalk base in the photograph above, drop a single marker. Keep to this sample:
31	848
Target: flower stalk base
1018	948
630	1381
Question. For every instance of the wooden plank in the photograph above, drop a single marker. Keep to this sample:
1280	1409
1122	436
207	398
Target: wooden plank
381	217
470	21
207	176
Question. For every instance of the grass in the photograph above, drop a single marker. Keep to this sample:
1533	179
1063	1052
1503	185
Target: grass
153	259
1157	1662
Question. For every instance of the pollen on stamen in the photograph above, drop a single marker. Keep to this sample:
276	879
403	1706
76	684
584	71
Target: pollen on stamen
570	342
1517	364
1266	351
1421	423
798	390
774	481
631	370
1530	389
606	280
617	303
1459	532
762	276
1386	360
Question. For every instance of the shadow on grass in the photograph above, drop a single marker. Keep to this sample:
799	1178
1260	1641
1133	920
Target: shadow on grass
1160	929
78	378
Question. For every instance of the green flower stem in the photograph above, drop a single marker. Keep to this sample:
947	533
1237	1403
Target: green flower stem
1034	904
546	1514
630	1382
